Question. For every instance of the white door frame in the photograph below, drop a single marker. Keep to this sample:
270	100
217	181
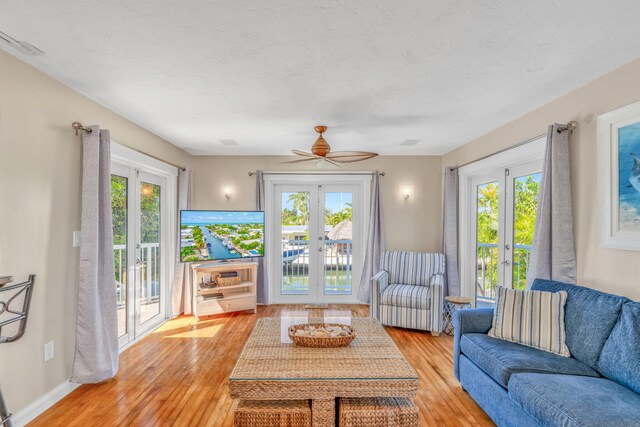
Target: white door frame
477	173
360	179
126	158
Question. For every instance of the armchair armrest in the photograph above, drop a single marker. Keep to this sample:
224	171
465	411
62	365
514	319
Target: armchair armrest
378	283
436	287
469	321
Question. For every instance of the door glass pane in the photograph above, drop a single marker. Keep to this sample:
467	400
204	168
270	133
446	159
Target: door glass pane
149	251
487	241
525	200
338	213
119	221
295	243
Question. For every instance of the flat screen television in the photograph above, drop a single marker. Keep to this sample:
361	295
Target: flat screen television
221	235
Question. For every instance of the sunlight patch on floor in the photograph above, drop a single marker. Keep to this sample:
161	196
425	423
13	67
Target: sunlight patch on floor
208	332
183	322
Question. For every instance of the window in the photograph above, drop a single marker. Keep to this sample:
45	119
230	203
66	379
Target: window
143	194
498	200
315	235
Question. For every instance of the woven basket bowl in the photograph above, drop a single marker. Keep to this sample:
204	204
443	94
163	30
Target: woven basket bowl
227	281
320	342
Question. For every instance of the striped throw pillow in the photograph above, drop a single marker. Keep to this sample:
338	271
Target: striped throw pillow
531	318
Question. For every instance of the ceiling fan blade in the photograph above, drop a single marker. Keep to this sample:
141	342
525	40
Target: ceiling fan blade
350	156
309	159
303	153
333	162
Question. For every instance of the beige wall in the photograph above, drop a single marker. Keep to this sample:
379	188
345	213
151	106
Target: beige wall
608	270
412	224
40	171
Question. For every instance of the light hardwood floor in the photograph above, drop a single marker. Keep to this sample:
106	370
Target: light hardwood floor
177	376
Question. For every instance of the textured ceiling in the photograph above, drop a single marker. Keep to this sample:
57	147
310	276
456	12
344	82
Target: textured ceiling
263	73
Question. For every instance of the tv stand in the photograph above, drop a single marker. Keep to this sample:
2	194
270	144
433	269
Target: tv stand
224	299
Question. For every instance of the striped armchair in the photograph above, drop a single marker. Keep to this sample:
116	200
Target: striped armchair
409	291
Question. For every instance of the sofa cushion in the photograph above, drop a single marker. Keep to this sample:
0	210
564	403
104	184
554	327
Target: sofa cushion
412	268
589	318
620	357
570	400
501	359
531	318
409	296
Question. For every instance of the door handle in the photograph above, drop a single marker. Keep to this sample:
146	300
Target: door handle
506	263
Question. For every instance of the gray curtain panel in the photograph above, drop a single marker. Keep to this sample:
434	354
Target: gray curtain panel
450	232
181	290
553	253
263	273
376	242
96	353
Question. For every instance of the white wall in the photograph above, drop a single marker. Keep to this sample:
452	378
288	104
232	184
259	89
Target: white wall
412	224
40	170
608	270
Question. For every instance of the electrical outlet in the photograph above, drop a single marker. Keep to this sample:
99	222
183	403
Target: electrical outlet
48	351
77	236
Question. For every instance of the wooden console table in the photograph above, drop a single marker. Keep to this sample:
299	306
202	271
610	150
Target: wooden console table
224	299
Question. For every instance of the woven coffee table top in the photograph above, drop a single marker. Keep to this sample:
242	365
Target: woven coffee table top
371	355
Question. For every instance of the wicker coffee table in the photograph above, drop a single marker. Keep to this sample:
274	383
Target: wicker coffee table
372	366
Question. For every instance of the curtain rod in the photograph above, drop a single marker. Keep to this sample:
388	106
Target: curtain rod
77	126
251	173
568	127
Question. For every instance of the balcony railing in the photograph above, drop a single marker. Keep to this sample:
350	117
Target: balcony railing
337	267
487	269
149	273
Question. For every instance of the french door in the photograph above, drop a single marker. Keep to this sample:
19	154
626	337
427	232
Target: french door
137	199
316	241
498	216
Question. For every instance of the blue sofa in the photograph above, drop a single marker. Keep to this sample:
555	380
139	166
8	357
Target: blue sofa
599	385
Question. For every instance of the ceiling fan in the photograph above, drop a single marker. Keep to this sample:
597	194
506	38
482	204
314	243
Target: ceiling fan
320	150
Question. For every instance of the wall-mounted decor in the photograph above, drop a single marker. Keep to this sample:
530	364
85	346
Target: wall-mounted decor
619	177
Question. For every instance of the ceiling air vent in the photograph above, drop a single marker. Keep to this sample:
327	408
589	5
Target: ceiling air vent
24	47
228	142
409	142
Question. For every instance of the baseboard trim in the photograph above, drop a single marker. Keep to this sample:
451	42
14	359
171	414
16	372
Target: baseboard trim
36	408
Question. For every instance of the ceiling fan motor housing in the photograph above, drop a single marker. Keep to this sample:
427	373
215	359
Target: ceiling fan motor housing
320	147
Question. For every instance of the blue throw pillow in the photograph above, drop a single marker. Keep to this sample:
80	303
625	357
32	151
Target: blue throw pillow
620	357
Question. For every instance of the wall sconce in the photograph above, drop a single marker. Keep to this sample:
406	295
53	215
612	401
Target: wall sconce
227	191
406	192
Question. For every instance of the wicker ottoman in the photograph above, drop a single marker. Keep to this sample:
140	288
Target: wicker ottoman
378	412
277	413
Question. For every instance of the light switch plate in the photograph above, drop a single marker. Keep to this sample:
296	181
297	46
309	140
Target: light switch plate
77	236
48	351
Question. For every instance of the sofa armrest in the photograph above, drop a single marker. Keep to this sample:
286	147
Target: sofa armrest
436	286
469	321
378	283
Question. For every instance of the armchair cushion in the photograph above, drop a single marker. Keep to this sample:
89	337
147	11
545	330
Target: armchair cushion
412	268
409	296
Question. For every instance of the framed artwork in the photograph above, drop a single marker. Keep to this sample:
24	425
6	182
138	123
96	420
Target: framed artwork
619	177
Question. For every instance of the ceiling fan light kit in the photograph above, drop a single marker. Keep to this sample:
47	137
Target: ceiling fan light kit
321	150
